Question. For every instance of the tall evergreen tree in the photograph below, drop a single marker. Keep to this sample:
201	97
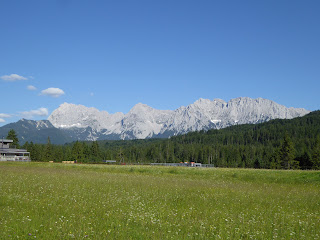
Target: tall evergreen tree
77	152
67	156
287	154
120	155
95	151
13	136
31	148
305	161
86	152
48	151
316	155
25	145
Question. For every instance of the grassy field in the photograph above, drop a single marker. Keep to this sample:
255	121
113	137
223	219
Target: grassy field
60	201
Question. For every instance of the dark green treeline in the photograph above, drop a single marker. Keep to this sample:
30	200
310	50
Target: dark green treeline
282	144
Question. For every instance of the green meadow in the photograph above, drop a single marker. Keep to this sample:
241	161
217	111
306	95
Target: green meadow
79	201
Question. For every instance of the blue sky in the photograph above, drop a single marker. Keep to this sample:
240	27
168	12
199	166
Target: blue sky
114	54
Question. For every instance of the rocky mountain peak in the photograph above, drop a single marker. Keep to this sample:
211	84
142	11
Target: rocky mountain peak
140	108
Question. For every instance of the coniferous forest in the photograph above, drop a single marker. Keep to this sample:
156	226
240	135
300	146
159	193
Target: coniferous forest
277	144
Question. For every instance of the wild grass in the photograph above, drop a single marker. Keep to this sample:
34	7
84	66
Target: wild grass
58	201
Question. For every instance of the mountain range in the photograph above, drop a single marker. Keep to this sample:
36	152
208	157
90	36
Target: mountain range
72	122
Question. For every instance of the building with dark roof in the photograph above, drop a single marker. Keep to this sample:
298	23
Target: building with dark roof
12	154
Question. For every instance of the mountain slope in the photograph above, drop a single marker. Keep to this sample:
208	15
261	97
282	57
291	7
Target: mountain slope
36	131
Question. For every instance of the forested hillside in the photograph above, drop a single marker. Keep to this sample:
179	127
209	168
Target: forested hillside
287	144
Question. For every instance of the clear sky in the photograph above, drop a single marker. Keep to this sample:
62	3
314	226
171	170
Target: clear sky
112	55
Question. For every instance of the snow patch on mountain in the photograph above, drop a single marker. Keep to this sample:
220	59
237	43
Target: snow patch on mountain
41	124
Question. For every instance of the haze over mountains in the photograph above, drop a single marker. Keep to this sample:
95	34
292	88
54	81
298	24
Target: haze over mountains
72	122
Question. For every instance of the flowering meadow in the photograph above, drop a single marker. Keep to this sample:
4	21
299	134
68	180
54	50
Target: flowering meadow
82	201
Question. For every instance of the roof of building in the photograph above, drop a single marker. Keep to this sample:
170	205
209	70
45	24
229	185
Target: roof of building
13	150
2	140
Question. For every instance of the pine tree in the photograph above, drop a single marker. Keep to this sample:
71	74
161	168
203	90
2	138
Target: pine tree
67	156
31	148
121	156
13	136
95	151
305	160
48	151
86	152
316	155
77	152
287	154
25	145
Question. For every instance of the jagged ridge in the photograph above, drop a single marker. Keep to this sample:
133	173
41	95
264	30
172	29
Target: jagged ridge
143	121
